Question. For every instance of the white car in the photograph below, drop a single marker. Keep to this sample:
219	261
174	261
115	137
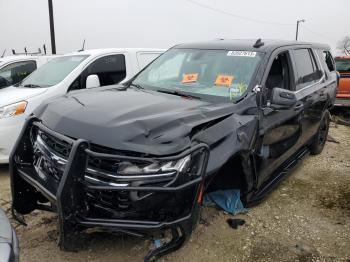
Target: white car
79	70
14	69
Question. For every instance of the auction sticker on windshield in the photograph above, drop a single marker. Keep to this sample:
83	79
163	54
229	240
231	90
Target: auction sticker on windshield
241	53
190	78
224	80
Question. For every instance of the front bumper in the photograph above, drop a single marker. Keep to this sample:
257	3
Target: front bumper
10	128
134	205
9	251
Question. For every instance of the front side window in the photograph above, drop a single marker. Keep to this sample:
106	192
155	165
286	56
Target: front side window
110	69
53	72
307	71
342	65
279	74
209	74
16	72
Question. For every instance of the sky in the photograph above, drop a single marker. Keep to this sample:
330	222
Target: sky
164	23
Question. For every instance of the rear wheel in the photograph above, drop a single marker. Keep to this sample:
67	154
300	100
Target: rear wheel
321	135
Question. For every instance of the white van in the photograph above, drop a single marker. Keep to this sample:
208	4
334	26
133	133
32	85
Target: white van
79	70
14	69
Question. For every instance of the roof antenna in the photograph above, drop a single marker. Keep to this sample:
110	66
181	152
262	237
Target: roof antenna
3	53
83	48
44	47
13	51
258	43
25	50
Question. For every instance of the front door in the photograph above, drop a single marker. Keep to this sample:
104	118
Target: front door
280	129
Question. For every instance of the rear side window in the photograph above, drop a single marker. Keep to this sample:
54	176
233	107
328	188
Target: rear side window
110	69
329	60
146	58
16	72
306	67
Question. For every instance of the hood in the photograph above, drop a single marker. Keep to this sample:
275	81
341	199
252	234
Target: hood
10	95
132	120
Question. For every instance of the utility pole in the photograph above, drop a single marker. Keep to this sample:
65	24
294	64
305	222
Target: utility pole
52	29
296	34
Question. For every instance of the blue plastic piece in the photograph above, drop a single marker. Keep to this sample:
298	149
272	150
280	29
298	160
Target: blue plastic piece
157	243
228	200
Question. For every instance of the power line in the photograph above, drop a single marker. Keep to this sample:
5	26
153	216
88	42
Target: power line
236	15
255	20
318	34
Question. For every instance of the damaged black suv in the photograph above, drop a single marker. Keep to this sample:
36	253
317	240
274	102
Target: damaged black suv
137	158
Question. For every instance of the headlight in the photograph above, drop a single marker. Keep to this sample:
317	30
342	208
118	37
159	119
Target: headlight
182	165
13	109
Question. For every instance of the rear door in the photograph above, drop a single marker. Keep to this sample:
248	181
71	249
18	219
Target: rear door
313	87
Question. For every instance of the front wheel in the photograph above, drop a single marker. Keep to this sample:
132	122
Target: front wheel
321	135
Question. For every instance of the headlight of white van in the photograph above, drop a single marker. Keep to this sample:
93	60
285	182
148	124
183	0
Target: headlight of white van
13	109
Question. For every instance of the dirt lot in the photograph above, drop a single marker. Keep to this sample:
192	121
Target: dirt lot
307	218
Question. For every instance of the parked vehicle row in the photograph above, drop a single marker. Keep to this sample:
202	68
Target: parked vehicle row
62	75
14	69
343	67
137	157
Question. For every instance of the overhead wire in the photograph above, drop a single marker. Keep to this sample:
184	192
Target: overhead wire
237	16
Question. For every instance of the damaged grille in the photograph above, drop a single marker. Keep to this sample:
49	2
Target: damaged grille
51	157
49	154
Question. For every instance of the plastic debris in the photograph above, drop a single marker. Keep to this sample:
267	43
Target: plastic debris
228	200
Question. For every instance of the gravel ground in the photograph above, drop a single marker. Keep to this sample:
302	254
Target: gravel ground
307	218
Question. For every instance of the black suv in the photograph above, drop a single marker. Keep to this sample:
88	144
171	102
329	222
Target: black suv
137	158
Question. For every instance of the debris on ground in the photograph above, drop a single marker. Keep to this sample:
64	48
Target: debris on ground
332	139
235	222
228	200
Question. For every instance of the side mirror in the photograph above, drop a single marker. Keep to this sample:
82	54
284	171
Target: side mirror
92	81
282	97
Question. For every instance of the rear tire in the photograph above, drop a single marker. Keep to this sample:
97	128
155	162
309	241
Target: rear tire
321	136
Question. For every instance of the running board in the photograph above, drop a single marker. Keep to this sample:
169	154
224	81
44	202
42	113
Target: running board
282	173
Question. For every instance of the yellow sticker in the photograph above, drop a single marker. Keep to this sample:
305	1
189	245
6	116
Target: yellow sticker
190	78
224	80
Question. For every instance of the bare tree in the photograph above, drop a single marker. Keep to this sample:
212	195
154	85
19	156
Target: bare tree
344	45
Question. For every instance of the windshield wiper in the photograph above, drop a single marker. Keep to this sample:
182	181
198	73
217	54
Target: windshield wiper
176	93
32	85
136	85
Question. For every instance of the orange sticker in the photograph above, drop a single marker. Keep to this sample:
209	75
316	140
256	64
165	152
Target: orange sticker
190	78
224	80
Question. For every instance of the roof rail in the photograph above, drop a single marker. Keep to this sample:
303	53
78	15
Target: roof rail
258	43
26	52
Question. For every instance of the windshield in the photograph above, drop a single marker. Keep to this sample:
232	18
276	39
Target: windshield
53	72
343	65
202	73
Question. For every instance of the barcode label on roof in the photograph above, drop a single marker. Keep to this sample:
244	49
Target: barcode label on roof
241	53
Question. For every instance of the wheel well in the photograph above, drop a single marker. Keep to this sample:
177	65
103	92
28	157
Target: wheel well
230	176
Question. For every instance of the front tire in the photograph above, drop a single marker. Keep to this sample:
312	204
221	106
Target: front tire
321	135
